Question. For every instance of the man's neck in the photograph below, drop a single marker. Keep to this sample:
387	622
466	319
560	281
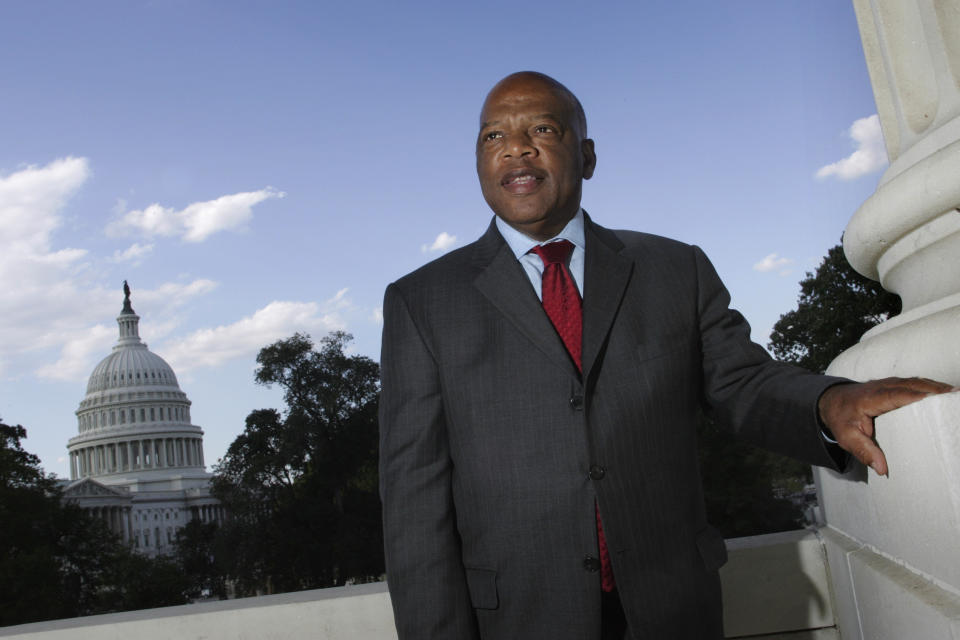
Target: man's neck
519	242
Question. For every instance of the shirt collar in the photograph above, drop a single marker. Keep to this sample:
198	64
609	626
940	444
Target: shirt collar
521	244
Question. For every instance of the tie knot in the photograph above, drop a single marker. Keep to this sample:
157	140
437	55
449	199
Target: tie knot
554	252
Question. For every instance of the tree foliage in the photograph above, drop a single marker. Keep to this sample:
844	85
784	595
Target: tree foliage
301	486
746	488
836	306
58	562
197	551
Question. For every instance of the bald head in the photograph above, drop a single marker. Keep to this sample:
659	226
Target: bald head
531	78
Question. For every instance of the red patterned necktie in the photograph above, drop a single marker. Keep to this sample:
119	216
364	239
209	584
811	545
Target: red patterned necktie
561	301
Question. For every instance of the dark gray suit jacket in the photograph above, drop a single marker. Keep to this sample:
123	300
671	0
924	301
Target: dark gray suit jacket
494	449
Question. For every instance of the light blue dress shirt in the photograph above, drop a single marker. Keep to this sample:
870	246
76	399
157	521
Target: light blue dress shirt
521	245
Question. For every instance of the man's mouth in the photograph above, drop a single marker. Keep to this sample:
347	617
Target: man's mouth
520	181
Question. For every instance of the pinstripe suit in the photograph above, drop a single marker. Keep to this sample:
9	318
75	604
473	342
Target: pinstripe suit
494	450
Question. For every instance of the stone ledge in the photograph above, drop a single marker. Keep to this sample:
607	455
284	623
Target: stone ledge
775	586
892	601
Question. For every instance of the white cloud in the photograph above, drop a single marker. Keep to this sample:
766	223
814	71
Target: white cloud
81	347
377	316
870	155
133	254
30	199
197	221
339	300
173	294
39	295
244	338
773	262
442	242
56	309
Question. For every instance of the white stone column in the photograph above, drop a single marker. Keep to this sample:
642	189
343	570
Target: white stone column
907	234
892	542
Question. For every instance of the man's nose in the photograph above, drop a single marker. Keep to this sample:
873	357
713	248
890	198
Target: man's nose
519	145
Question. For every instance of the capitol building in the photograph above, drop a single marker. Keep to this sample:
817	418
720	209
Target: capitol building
137	461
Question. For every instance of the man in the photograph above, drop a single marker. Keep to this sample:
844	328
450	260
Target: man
520	462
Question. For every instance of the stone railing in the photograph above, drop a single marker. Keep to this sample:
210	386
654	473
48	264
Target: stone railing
773	584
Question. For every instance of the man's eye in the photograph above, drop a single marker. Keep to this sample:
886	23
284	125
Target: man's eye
493	135
545	128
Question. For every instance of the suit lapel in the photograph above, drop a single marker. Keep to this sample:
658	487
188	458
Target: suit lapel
504	283
606	275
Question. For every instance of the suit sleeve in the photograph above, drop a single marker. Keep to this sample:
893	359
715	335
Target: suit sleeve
769	403
425	572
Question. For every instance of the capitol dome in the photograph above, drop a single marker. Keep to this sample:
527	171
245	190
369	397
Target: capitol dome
131	365
134	386
137	459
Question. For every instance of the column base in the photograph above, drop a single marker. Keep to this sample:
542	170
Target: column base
910	345
879	599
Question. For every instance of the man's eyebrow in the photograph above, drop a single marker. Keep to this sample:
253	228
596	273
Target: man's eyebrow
551	116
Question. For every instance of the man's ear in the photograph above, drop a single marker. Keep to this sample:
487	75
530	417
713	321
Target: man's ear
589	158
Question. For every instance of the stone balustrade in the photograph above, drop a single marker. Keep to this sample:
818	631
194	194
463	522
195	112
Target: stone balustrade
773	585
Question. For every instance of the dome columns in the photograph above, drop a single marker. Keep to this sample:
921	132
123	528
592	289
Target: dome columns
139	454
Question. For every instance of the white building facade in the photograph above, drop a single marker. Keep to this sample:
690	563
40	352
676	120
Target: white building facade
137	461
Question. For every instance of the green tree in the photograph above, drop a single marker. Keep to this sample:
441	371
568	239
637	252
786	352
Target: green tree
301	487
196	554
58	562
745	488
836	306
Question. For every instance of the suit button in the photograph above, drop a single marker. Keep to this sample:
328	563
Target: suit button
591	564
597	472
576	403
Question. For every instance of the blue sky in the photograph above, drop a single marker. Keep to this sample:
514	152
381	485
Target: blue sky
256	169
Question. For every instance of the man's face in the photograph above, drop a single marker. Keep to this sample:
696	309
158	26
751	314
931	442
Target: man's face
532	156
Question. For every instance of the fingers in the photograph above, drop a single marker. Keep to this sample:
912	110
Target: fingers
862	447
880	396
848	411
